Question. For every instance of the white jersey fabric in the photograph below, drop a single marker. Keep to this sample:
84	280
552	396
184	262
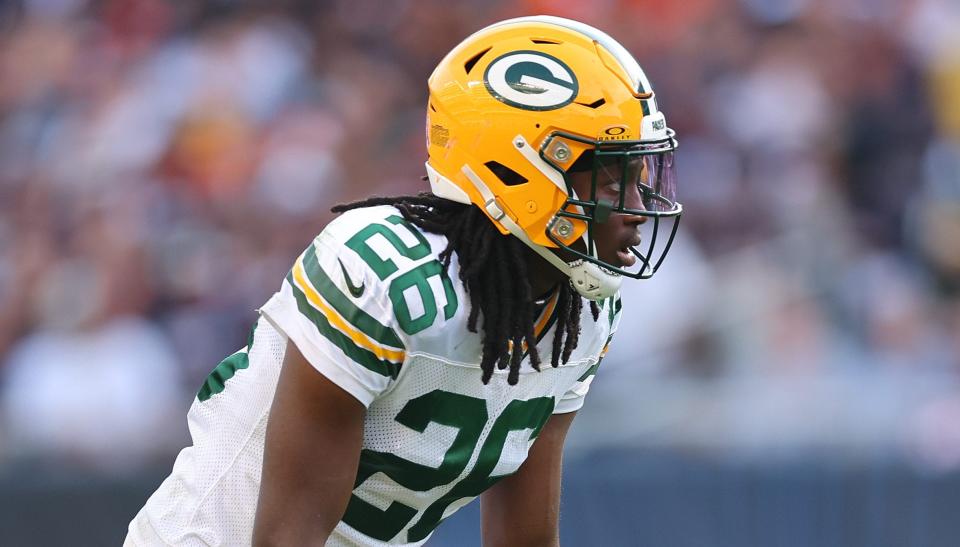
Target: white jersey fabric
370	306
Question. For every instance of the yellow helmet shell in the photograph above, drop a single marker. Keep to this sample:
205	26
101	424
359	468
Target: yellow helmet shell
516	84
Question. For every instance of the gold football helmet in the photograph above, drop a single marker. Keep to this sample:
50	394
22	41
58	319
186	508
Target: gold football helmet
520	104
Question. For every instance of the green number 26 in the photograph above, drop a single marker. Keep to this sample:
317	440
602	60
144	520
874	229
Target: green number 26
417	278
468	415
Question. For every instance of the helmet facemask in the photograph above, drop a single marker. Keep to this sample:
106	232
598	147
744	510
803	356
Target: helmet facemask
648	165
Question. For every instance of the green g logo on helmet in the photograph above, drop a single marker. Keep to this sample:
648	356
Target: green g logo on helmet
531	80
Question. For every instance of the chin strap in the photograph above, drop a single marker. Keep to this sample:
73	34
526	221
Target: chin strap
588	279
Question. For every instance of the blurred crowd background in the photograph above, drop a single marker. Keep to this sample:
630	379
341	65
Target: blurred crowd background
162	164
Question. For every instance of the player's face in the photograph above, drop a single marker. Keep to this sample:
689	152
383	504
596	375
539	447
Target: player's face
614	237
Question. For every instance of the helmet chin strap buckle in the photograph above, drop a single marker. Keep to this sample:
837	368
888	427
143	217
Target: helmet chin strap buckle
593	281
493	209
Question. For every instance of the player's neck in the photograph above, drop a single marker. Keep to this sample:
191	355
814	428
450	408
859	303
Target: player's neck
544	277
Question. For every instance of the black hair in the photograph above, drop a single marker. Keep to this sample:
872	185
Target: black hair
493	269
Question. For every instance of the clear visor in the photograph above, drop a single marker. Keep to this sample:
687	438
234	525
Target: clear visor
635	181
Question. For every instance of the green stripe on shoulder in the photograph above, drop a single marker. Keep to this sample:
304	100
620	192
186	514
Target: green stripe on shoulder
361	356
354	315
217	379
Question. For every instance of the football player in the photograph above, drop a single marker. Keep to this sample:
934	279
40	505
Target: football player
426	350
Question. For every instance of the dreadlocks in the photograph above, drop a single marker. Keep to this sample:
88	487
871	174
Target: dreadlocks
493	268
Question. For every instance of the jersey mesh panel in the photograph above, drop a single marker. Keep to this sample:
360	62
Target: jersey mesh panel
215	483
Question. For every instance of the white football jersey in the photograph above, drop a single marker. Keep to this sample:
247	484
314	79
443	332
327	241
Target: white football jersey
370	306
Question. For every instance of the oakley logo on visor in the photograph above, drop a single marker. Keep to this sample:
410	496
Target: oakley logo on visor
531	80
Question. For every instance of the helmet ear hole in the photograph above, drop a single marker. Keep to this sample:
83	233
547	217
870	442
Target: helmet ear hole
506	175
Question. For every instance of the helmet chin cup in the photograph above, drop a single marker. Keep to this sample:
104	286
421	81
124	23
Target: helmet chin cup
593	281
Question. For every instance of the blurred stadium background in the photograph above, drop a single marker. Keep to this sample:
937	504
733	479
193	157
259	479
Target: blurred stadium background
790	378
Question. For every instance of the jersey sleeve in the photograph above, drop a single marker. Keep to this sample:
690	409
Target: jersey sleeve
573	399
338	314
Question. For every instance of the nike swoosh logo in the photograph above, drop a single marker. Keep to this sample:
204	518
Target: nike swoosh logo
355	291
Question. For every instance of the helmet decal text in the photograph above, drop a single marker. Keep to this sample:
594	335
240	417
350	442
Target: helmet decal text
615	133
531	80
